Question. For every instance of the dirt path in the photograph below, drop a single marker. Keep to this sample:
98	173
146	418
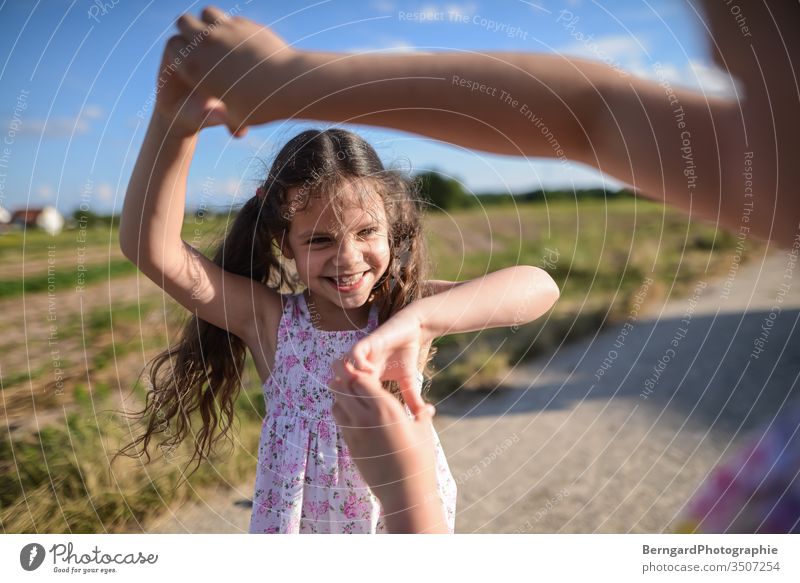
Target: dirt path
613	433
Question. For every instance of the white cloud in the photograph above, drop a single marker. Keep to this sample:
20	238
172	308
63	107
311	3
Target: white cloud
383	6
616	47
44	192
629	53
452	12
461	11
60	126
390	46
706	78
232	188
105	192
92	112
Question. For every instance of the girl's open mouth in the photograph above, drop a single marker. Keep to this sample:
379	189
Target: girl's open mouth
348	284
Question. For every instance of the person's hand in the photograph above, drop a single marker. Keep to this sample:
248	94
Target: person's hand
393	351
184	111
234	59
393	452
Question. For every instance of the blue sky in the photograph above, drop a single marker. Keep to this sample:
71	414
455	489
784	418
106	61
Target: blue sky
76	73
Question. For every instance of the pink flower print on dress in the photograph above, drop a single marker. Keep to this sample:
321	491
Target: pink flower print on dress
308	402
345	459
351	506
274	447
292	361
294	523
289	397
318	509
324	432
300	434
290	468
310	363
328	479
269	501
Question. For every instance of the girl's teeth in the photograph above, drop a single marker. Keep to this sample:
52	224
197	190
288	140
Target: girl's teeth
349	280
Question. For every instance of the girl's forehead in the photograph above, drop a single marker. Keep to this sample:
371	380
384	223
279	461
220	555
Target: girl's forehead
346	207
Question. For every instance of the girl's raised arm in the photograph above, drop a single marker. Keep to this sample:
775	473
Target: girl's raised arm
152	217
397	349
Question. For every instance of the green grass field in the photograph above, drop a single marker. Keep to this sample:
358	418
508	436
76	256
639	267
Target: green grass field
60	398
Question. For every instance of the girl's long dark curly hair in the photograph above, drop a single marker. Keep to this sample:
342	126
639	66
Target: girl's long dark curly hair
200	374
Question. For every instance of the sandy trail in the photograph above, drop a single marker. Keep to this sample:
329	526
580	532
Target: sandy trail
570	444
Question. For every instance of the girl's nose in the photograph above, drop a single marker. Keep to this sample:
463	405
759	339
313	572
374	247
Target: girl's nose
349	254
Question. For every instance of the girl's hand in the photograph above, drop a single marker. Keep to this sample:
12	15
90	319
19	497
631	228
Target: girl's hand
185	110
236	60
395	454
393	352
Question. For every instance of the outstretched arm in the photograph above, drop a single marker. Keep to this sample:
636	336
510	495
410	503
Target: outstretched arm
671	144
152	216
397	349
394	454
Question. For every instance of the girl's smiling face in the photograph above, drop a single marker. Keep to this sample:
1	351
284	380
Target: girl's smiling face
341	253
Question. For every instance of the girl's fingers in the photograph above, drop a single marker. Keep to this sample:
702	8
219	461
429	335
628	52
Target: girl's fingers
363	383
427	413
412	397
342	379
360	353
189	26
212	14
216	114
173	48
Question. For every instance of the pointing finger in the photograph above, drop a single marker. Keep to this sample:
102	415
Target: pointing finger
411	396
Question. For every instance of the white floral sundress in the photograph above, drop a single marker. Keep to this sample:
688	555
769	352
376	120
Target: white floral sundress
306	481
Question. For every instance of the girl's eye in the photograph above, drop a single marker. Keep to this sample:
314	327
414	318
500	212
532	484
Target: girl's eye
318	240
368	231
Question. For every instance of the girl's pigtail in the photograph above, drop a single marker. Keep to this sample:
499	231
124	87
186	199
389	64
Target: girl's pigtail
201	373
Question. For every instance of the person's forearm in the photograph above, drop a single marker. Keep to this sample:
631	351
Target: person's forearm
496	102
509	297
413	505
663	140
152	216
410	515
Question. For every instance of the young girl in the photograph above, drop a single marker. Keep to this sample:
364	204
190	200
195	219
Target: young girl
330	223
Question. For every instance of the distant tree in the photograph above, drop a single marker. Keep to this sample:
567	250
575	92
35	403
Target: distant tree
86	219
443	193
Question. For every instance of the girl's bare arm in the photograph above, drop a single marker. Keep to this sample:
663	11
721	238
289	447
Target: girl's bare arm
513	296
150	236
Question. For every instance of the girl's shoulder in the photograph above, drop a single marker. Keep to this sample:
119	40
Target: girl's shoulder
293	308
